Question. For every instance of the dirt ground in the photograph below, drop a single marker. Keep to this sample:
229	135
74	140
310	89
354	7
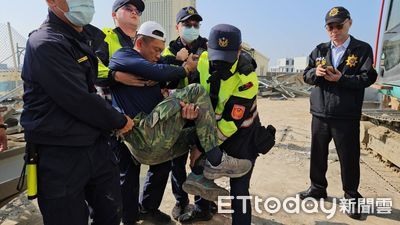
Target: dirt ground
281	173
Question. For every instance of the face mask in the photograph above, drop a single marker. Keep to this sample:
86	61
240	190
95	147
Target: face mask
80	12
190	34
221	68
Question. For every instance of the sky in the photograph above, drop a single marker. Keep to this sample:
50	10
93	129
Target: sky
276	28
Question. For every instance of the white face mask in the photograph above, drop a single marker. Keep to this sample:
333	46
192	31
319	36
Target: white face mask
189	34
80	12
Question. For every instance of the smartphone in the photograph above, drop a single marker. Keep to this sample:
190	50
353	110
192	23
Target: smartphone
331	68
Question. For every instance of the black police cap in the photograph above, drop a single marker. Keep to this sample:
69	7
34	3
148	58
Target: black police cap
188	13
337	15
224	42
139	4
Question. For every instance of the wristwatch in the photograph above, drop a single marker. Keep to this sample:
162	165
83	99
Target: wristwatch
4	126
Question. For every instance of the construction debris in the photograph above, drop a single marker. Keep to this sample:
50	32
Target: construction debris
284	86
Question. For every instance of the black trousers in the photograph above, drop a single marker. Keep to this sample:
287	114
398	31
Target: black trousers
240	187
178	177
241	146
153	189
346	136
72	178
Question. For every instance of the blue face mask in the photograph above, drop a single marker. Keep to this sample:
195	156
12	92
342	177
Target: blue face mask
80	12
190	34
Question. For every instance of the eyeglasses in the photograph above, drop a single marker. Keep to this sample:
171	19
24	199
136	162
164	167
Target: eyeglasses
132	10
189	25
338	26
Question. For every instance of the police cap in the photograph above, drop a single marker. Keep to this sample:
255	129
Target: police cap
337	15
139	4
188	13
224	42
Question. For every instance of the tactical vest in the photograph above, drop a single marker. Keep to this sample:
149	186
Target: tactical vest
113	45
183	82
229	88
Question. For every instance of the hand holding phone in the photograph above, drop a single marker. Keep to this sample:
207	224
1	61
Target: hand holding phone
331	69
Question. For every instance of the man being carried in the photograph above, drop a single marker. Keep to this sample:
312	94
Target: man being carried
159	134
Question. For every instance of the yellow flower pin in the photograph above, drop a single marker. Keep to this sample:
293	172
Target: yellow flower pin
351	61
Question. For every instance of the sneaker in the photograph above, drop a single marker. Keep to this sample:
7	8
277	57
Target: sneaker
229	167
203	187
180	209
154	216
195	215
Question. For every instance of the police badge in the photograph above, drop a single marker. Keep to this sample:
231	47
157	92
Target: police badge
334	12
351	60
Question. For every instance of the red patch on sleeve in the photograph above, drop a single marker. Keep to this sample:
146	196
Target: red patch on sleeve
237	112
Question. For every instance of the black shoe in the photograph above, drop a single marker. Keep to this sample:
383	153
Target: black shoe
354	211
313	193
213	207
180	209
195	215
154	216
354	214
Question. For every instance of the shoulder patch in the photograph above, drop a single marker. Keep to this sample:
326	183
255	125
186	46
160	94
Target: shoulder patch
246	86
238	111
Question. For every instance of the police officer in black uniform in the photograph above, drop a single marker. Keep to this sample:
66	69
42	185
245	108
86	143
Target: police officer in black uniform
66	123
147	207
340	70
188	42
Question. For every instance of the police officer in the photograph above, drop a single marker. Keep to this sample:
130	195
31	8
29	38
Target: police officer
3	136
126	15
66	123
161	133
340	70
228	75
188	42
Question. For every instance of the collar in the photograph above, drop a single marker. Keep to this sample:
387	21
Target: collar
345	45
126	39
234	67
89	32
63	26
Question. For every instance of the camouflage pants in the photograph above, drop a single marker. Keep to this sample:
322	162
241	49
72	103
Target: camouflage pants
160	136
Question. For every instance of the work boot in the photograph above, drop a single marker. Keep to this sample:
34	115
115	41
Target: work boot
194	215
229	167
180	209
154	216
203	187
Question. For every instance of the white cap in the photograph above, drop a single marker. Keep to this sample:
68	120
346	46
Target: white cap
152	29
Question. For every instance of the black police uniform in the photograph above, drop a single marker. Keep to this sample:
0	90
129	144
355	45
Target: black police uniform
68	124
336	109
157	175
